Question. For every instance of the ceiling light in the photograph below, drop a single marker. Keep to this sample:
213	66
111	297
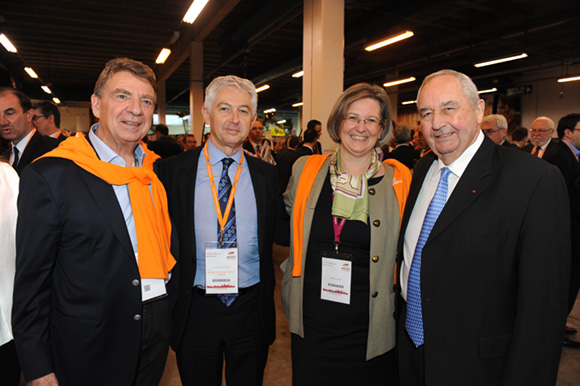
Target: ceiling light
7	44
262	88
400	81
46	89
502	60
163	55
56	100
408	102
298	104
487	91
394	39
272	110
194	10
298	74
31	72
572	79
281	122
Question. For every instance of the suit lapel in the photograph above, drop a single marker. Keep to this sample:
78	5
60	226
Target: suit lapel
26	156
259	183
187	192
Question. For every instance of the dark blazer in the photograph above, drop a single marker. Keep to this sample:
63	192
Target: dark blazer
248	146
178	175
494	273
284	161
77	297
302	151
37	146
405	154
509	144
562	156
553	142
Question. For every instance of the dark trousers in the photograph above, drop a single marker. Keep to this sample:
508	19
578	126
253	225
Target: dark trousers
215	332
9	366
411	359
154	342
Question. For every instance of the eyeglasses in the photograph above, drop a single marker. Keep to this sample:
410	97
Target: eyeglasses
354	120
35	117
541	131
491	131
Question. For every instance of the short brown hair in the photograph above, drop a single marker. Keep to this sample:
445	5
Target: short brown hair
134	67
353	94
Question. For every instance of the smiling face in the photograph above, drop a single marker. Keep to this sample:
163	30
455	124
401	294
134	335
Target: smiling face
358	139
125	111
449	122
230	118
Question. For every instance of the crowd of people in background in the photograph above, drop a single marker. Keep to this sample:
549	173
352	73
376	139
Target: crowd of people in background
444	254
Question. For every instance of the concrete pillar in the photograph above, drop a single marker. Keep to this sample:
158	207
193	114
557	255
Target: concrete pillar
196	89
323	62
161	101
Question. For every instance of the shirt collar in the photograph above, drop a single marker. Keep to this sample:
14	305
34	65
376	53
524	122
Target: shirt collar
24	141
572	147
458	166
216	155
107	154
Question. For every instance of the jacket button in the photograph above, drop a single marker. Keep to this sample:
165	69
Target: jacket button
376	223
375	294
375	259
372	191
137	317
135	283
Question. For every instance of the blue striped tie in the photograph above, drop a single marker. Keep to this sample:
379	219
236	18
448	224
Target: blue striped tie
414	320
229	234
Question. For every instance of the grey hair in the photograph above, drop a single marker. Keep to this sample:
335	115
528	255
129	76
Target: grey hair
469	88
402	133
549	120
498	119
230	80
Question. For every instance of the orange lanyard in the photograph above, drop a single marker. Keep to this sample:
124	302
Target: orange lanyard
222	219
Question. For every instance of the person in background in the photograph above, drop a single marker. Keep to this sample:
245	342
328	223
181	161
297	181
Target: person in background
495	127
484	253
164	146
285	159
541	136
46	119
520	137
316	125
308	145
337	289
190	142
9	367
91	305
404	151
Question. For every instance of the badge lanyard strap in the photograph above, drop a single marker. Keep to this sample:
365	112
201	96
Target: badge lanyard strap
222	219
337	231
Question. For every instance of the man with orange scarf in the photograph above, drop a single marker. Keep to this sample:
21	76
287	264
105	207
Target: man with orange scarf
90	299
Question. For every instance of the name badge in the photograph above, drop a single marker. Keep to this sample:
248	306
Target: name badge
336	277
151	288
221	268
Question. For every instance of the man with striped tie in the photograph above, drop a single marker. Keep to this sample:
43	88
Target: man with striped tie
483	281
224	206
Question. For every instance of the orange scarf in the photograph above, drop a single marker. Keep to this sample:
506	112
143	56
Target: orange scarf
149	207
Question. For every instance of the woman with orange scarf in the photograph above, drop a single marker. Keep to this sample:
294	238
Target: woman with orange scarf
346	209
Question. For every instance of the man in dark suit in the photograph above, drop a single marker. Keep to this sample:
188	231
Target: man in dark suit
404	151
46	120
164	146
219	313
92	241
564	155
541	136
308	144
316	125
16	116
254	142
285	160
495	127
484	253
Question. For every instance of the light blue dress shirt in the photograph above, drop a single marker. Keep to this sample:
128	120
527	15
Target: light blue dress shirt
574	150
206	222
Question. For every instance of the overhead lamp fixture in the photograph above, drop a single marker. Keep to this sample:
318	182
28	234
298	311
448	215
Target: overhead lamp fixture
56	100
163	55
46	89
487	91
262	88
194	11
30	72
400	81
298	104
281	122
571	79
502	60
7	43
408	103
272	110
394	39
299	74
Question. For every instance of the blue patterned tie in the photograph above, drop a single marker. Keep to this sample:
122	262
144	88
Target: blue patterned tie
414	321
229	234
